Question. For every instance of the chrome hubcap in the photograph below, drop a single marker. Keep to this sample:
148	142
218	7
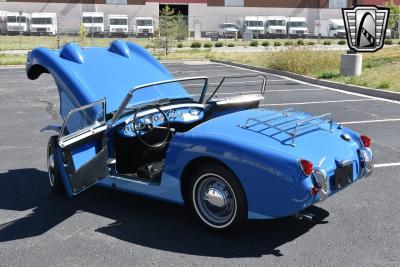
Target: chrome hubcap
214	200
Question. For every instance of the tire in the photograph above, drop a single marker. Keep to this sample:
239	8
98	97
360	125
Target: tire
55	182
226	206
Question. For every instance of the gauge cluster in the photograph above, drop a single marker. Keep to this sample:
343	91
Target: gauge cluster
183	115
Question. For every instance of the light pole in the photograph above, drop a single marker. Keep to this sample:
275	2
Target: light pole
19	27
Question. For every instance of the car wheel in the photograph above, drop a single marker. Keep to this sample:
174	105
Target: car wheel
218	199
56	184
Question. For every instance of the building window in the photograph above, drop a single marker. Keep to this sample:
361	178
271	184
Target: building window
234	2
337	3
117	2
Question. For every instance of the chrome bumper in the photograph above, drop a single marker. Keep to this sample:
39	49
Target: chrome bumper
366	161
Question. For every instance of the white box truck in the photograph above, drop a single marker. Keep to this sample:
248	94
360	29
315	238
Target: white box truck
144	27
17	23
118	25
330	28
297	27
228	30
43	24
255	25
93	23
275	26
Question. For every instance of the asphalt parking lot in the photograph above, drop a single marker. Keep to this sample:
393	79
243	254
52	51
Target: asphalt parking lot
359	226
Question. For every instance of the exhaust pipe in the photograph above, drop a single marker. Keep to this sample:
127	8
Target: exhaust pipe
306	215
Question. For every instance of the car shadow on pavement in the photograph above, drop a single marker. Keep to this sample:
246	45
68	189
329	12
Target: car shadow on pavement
138	220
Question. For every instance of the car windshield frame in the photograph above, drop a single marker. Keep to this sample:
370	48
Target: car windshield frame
120	112
297	24
41	21
144	22
119	21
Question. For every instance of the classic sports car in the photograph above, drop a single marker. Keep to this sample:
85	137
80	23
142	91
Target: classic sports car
130	126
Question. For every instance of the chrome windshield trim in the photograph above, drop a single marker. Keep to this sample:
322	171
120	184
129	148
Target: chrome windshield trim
129	96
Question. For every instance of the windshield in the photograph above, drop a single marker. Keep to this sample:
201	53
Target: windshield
230	25
118	22
276	23
298	24
254	23
147	22
41	20
13	19
188	90
95	20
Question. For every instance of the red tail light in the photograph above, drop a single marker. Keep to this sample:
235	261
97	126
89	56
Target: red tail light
314	190
306	166
366	140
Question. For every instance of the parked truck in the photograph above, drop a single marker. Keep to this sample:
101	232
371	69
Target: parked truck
228	30
118	25
297	27
17	23
43	24
275	27
144	27
93	23
330	28
254	24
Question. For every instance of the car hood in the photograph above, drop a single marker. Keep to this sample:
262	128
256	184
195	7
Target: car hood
86	75
317	143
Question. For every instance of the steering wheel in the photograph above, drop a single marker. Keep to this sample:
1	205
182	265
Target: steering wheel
147	127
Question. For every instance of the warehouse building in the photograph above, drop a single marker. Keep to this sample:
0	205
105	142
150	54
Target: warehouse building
202	15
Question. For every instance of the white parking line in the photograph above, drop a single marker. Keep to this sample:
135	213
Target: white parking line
387	165
319	86
319	102
369	121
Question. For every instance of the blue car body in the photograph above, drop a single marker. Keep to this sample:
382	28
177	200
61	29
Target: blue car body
261	147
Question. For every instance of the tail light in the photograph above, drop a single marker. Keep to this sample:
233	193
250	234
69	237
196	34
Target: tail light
314	190
306	167
366	140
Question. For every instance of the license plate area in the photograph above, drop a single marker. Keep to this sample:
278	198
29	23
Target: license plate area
343	176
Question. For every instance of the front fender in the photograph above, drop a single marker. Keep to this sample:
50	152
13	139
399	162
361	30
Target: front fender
273	181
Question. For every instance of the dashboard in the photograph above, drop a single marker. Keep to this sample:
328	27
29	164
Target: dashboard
177	114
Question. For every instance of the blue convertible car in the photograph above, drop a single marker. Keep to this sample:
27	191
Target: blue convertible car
130	126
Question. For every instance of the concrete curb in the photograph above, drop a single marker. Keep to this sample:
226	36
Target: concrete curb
334	85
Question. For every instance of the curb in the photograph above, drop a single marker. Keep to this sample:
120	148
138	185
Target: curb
335	85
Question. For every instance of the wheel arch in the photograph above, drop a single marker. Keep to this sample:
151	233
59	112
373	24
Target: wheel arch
195	163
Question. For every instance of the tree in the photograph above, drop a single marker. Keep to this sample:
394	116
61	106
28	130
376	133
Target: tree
172	27
394	16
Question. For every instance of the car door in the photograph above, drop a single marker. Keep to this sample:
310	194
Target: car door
83	146
240	95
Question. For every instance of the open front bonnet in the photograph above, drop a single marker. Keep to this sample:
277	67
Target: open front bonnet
85	75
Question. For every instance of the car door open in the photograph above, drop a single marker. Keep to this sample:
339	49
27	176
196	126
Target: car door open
83	147
237	97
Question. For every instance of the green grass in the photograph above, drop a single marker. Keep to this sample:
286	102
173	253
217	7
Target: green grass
12	59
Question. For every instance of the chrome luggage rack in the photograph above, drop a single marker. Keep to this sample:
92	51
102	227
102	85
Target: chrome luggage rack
299	124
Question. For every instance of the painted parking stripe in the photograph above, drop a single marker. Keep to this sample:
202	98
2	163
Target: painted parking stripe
258	91
369	121
387	165
319	86
319	102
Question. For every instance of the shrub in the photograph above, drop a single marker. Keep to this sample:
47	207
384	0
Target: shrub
300	42
341	42
328	75
266	43
288	43
399	43
207	45
219	44
327	42
384	85
254	43
231	45
180	45
277	44
388	41
195	44
310	43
